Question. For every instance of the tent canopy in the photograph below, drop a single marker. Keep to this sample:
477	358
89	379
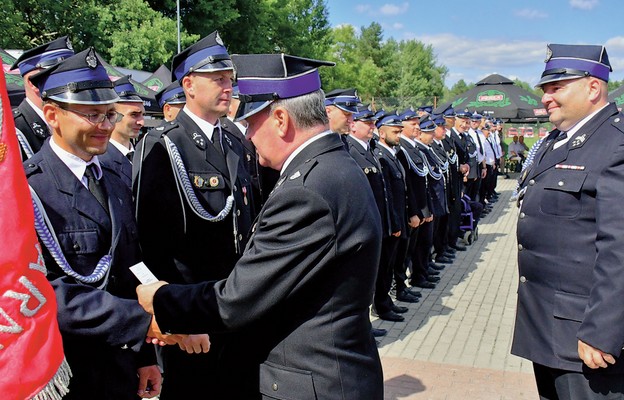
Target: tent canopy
15	82
497	96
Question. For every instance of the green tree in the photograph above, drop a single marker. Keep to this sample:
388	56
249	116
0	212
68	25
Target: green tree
458	88
127	35
614	85
421	80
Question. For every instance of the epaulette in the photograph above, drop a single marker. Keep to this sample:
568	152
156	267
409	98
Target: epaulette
301	173
163	129
618	122
31	168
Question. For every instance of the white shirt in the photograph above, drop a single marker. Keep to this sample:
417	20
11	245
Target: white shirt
123	149
576	127
76	165
38	111
241	127
478	138
410	141
490	156
303	146
206	127
390	149
361	142
515	147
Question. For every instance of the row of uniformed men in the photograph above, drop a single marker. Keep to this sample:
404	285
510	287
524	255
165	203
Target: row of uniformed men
419	165
198	184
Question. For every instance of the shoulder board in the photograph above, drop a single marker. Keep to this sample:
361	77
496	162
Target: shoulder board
618	122
300	174
30	168
164	128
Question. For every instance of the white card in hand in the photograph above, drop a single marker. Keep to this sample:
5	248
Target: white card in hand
143	274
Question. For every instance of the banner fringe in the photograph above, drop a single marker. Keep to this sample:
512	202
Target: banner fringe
58	385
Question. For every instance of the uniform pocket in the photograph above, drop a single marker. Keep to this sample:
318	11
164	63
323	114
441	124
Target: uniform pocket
80	242
284	383
562	193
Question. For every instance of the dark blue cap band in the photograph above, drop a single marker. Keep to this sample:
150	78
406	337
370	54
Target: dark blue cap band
173	96
77	75
195	61
44	60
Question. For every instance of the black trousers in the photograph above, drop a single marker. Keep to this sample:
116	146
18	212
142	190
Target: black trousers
557	384
421	252
401	260
440	232
382	301
454	220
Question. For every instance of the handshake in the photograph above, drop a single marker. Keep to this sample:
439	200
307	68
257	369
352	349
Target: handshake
189	343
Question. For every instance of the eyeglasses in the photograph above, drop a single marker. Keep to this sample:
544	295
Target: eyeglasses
97	118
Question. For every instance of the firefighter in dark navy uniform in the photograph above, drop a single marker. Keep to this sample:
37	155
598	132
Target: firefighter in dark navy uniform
90	240
302	290
171	99
570	319
194	202
28	116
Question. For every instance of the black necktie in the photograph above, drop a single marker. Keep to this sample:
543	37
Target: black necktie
130	155
95	188
216	139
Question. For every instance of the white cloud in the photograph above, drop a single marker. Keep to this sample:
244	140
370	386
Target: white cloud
615	49
473	59
397	25
530	13
362	8
584	4
393	9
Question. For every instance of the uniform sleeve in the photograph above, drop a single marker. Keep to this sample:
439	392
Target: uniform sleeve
393	213
603	323
91	313
294	237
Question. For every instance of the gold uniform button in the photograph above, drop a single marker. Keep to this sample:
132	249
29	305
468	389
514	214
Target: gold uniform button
522	215
523	279
532	182
274	387
520	247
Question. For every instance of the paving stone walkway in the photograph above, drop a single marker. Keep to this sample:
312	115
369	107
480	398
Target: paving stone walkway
455	343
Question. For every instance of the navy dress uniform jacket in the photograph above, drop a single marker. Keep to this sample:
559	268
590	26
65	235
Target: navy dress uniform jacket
103	330
571	247
119	163
394	176
179	246
436	187
372	169
301	291
417	196
35	129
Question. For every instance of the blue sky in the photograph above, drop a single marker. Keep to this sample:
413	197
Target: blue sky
476	38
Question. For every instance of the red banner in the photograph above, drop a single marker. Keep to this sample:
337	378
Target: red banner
31	350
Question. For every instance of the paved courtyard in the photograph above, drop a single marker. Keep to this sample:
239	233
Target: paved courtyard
455	343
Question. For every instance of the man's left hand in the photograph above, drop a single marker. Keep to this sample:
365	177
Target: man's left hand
146	295
594	358
149	381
